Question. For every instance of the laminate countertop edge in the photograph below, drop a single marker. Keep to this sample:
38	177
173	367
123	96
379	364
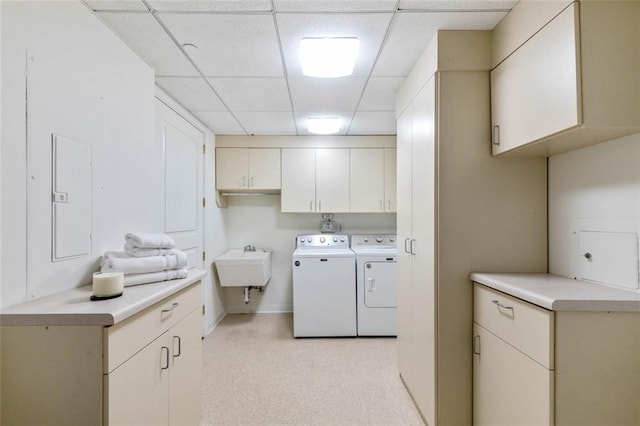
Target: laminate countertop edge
558	293
73	307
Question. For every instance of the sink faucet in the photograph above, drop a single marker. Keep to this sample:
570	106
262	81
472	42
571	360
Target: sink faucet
249	247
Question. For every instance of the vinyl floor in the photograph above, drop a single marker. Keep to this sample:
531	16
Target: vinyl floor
256	373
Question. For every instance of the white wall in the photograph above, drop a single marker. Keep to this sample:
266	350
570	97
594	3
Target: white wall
592	189
257	220
83	82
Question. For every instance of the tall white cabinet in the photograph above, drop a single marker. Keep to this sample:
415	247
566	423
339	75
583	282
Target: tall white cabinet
459	210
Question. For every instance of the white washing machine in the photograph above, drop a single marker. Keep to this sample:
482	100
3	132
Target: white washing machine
324	294
376	279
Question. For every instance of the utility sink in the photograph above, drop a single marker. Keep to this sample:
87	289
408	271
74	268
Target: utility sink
240	268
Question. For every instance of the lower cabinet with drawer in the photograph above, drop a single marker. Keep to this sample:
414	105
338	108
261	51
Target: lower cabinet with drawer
536	366
145	369
160	383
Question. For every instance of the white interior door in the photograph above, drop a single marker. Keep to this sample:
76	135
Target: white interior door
183	200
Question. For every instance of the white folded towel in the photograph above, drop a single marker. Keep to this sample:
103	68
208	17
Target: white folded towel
118	261
152	277
132	250
149	240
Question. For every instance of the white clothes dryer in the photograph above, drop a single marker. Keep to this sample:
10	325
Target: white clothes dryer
324	292
376	277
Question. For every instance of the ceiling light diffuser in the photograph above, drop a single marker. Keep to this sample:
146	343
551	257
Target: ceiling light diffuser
323	125
328	57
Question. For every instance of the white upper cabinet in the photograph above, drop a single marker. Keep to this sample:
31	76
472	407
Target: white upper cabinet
315	180
332	180
574	83
367	180
248	169
390	179
298	180
373	180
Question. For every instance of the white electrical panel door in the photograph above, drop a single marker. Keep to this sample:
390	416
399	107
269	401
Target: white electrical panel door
609	258
71	199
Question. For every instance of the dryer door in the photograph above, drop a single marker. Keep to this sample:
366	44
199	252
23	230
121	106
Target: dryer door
380	284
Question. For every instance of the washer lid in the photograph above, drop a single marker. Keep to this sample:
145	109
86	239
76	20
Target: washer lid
322	252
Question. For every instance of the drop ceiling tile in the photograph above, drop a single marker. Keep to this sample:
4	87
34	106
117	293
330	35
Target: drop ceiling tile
229	45
253	94
325	94
334	5
212	5
144	35
301	120
267	123
220	122
456	4
380	94
373	123
117	5
369	28
193	93
411	33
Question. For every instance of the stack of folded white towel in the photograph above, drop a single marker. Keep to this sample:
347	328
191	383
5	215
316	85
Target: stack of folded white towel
147	258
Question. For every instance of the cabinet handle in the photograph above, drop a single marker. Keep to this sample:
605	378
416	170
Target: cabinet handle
310	206
381	205
496	135
476	344
244	181
175	305
389	205
179	346
412	247
166	358
320	206
501	306
251	182
406	241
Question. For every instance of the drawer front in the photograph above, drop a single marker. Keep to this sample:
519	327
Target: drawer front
527	327
126	338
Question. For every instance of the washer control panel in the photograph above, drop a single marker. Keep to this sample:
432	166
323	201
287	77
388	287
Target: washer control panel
374	240
323	240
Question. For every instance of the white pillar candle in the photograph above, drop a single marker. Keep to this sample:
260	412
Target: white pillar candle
107	283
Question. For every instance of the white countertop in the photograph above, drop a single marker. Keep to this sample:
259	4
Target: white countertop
559	293
73	307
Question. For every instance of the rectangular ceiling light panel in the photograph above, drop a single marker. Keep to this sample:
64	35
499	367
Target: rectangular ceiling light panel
328	57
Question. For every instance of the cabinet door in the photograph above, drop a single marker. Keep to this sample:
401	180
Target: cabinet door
332	180
185	383
405	329
423	210
509	388
137	392
367	180
232	165
298	180
535	91
390	172
264	169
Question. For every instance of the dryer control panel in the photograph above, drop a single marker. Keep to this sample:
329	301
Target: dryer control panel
374	240
323	240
